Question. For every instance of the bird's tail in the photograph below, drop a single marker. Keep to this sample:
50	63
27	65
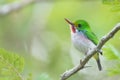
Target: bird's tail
96	56
99	64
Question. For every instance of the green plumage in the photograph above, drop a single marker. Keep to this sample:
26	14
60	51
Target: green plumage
83	26
91	36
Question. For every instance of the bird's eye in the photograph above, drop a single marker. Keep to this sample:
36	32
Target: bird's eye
79	25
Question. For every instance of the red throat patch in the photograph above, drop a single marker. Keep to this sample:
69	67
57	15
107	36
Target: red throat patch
73	29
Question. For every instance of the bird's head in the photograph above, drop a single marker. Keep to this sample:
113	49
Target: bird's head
79	25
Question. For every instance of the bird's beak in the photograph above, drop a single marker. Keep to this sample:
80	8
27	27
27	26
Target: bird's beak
72	26
69	22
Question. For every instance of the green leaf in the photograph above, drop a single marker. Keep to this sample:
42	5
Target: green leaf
115	4
11	65
111	52
111	2
115	51
114	71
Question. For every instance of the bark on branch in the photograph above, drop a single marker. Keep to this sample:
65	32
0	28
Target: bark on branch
8	8
80	66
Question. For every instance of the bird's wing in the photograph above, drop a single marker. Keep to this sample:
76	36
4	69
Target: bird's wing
91	36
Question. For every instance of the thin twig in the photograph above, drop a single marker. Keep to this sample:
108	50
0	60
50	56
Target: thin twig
15	6
80	66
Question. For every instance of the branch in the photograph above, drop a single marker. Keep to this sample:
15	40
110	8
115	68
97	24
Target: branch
8	8
90	53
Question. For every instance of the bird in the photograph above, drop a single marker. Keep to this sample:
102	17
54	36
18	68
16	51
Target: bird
84	39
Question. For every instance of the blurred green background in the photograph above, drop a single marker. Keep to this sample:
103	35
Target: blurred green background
38	32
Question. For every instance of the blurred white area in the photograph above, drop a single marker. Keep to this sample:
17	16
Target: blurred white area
39	16
38	50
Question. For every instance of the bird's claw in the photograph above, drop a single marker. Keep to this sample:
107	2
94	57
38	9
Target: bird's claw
100	51
83	66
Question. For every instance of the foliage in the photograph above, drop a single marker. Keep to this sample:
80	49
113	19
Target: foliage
44	76
115	70
111	1
11	66
115	4
113	55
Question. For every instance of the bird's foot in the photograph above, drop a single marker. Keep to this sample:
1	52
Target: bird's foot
81	62
100	51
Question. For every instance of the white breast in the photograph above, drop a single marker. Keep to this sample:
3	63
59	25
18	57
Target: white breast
81	42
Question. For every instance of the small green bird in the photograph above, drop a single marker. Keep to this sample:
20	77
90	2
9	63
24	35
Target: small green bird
83	38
